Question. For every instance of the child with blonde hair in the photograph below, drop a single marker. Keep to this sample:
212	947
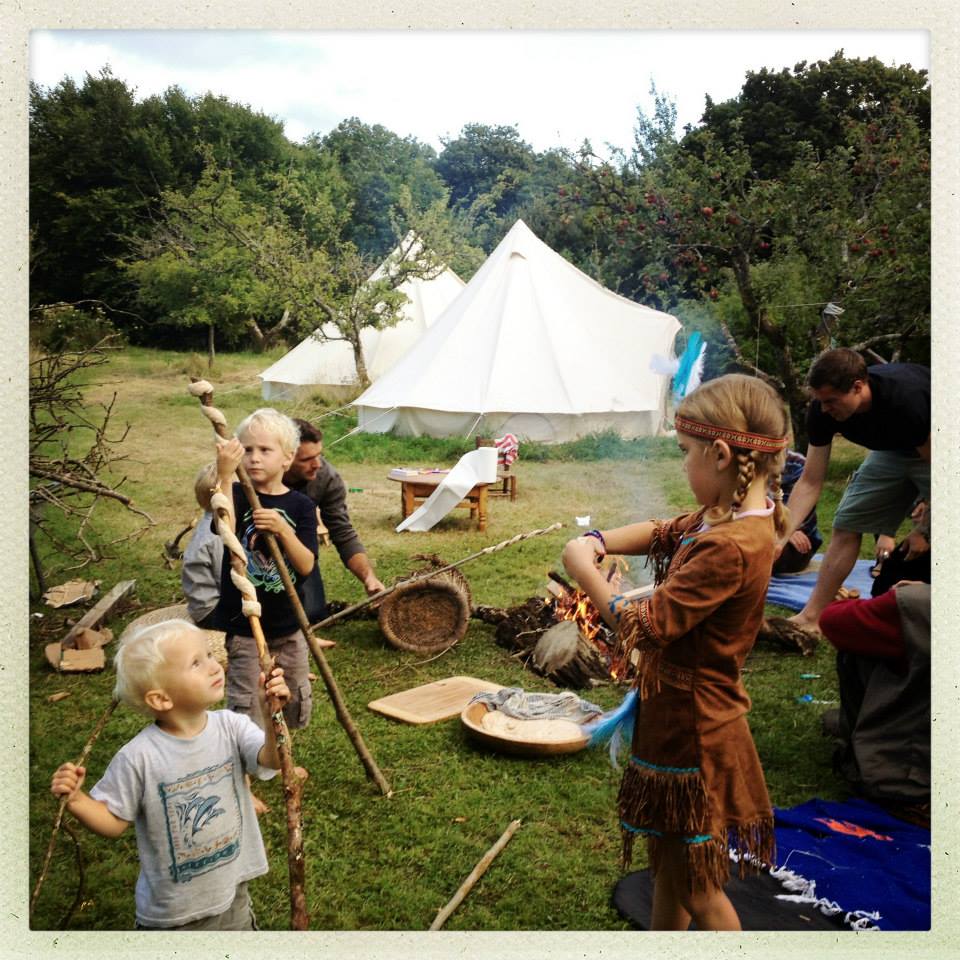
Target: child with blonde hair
266	442
694	785
181	782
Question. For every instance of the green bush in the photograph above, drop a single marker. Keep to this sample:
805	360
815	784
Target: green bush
62	327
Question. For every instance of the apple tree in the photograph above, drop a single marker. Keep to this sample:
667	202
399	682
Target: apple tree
673	224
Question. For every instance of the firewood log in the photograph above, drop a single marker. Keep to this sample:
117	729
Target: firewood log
566	657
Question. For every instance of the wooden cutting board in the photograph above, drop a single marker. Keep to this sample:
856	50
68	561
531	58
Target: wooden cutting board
432	702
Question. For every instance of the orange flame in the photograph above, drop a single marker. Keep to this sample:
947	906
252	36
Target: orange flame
579	608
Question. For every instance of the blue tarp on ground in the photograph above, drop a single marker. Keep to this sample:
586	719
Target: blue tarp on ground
861	858
792	590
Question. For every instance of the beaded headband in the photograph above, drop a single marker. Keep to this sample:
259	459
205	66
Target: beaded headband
736	438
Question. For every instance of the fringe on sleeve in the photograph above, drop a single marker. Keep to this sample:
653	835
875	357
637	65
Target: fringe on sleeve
661	551
635	635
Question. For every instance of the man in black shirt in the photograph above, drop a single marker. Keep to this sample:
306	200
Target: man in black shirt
885	408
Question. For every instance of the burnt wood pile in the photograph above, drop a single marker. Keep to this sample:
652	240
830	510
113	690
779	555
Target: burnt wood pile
560	637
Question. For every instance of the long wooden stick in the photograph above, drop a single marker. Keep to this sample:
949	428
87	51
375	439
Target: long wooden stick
58	820
292	787
478	871
339	706
347	611
292	794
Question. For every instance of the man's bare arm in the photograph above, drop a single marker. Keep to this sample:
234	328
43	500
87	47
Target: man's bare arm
806	491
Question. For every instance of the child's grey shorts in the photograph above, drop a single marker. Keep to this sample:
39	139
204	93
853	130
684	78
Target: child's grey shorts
243	672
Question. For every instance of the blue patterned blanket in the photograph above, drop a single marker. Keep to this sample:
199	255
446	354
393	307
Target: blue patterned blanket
854	858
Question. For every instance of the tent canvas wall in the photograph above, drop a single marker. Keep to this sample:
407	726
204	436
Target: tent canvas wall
533	347
316	363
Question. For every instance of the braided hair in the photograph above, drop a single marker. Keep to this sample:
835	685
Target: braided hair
739	402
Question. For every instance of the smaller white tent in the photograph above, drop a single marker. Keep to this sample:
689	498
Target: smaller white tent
537	349
317	363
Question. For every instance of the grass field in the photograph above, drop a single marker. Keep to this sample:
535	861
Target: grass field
376	863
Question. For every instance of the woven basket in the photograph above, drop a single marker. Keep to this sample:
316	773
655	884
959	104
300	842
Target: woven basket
428	616
216	638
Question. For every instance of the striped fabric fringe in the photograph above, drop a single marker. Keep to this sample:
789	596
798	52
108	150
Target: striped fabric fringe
675	799
805	891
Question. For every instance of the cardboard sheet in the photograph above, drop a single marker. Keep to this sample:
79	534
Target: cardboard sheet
433	702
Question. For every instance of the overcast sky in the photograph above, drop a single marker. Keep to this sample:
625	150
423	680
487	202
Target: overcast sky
556	87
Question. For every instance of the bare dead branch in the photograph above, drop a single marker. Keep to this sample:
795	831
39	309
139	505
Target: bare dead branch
71	445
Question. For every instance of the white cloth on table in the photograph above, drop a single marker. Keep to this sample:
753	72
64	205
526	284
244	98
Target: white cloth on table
477	466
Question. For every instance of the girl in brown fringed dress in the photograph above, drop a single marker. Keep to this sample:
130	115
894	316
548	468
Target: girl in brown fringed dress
694	785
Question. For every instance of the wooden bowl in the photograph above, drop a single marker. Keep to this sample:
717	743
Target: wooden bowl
472	719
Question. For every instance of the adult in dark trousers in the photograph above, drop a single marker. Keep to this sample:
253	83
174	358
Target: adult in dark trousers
315	476
883	672
885	408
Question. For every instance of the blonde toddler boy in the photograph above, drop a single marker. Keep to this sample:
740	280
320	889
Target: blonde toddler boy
180	781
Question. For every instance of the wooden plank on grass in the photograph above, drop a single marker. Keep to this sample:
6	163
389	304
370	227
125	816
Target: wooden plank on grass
99	611
433	702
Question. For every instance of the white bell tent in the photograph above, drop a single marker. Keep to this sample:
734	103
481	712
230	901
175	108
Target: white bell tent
316	363
532	347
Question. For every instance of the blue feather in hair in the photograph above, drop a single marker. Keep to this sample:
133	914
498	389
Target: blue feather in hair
614	725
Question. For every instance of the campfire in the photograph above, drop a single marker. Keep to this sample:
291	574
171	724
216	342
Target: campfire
562	636
579	608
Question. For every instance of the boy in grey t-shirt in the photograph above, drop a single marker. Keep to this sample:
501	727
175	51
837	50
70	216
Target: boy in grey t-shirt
181	782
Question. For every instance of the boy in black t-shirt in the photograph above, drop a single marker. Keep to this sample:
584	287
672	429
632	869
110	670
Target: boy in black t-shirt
266	445
885	408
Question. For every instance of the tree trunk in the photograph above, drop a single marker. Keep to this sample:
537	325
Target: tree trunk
798	419
776	337
273	334
363	378
210	349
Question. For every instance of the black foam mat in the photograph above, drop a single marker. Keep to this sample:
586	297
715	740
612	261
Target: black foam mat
754	898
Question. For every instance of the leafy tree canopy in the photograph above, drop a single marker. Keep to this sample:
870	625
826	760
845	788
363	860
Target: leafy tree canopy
672	223
377	165
777	111
100	160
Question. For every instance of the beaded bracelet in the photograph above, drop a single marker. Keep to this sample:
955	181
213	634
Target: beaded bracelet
599	536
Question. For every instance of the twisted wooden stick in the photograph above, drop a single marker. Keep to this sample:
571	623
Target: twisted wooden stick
204	392
292	787
493	548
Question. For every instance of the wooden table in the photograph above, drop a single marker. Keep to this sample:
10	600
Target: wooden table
420	486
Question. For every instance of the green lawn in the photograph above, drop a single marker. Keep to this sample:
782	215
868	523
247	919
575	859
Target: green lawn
376	863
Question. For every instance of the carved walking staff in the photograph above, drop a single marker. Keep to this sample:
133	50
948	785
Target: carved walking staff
292	787
203	391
